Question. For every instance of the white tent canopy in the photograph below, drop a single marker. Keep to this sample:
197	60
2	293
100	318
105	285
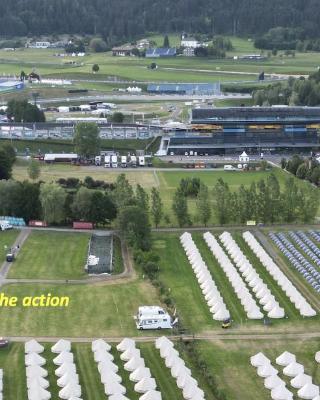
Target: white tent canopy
300	380
285	359
111	388
281	393
32	346
308	391
39	393
259	359
293	369
163	341
36	370
145	385
151	395
64	368
125	344
63	357
37	381
100	344
34	359
140	373
61	346
71	390
273	381
118	397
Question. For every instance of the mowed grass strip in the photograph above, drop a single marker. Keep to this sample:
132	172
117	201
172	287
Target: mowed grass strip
232	302
177	274
229	362
93	310
129	385
52	255
166	384
89	376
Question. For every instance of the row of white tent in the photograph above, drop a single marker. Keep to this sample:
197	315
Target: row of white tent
179	371
37	384
139	373
66	371
108	370
292	369
209	289
250	275
286	285
242	292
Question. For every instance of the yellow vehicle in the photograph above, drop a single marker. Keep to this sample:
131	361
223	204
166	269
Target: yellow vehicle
226	324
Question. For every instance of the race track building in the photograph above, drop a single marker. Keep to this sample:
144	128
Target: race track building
185	88
229	130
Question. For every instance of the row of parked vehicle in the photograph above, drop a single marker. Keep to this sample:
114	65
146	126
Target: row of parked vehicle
114	161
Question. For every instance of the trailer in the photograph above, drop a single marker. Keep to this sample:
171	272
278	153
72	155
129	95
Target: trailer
142	161
107	161
5	225
133	161
124	161
114	161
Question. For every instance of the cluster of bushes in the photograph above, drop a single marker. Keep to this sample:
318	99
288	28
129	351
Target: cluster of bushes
190	186
280	38
308	169
88	182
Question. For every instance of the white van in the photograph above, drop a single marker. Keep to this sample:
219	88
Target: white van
114	161
4	225
229	168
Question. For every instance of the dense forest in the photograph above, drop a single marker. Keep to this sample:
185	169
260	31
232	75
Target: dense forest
116	20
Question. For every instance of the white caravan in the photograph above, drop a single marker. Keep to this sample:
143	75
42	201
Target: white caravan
133	161
107	163
4	225
124	161
142	162
114	161
153	317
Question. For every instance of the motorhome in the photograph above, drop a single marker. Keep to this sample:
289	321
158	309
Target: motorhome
153	317
141	161
114	161
107	163
229	168
124	161
4	225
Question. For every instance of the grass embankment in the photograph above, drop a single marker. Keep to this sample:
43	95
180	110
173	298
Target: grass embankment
52	255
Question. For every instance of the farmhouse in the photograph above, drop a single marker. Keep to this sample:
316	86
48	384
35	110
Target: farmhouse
122	51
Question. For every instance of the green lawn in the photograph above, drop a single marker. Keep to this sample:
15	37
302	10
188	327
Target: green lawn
52	255
104	310
230	364
7	238
194	313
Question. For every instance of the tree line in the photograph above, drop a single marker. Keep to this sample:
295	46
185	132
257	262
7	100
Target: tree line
118	20
295	92
303	168
263	202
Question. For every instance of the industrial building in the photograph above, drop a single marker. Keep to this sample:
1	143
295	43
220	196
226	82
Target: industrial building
230	130
186	88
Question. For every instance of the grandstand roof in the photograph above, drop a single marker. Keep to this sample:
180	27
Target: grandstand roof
184	87
256	114
161	52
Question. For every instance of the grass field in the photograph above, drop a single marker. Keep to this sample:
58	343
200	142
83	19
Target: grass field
183	69
189	300
230	364
52	255
106	310
166	181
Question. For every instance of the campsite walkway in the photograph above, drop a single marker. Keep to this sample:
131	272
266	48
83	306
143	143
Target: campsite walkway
207	336
5	268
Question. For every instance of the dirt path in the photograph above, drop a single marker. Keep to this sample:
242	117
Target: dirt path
5	268
208	336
